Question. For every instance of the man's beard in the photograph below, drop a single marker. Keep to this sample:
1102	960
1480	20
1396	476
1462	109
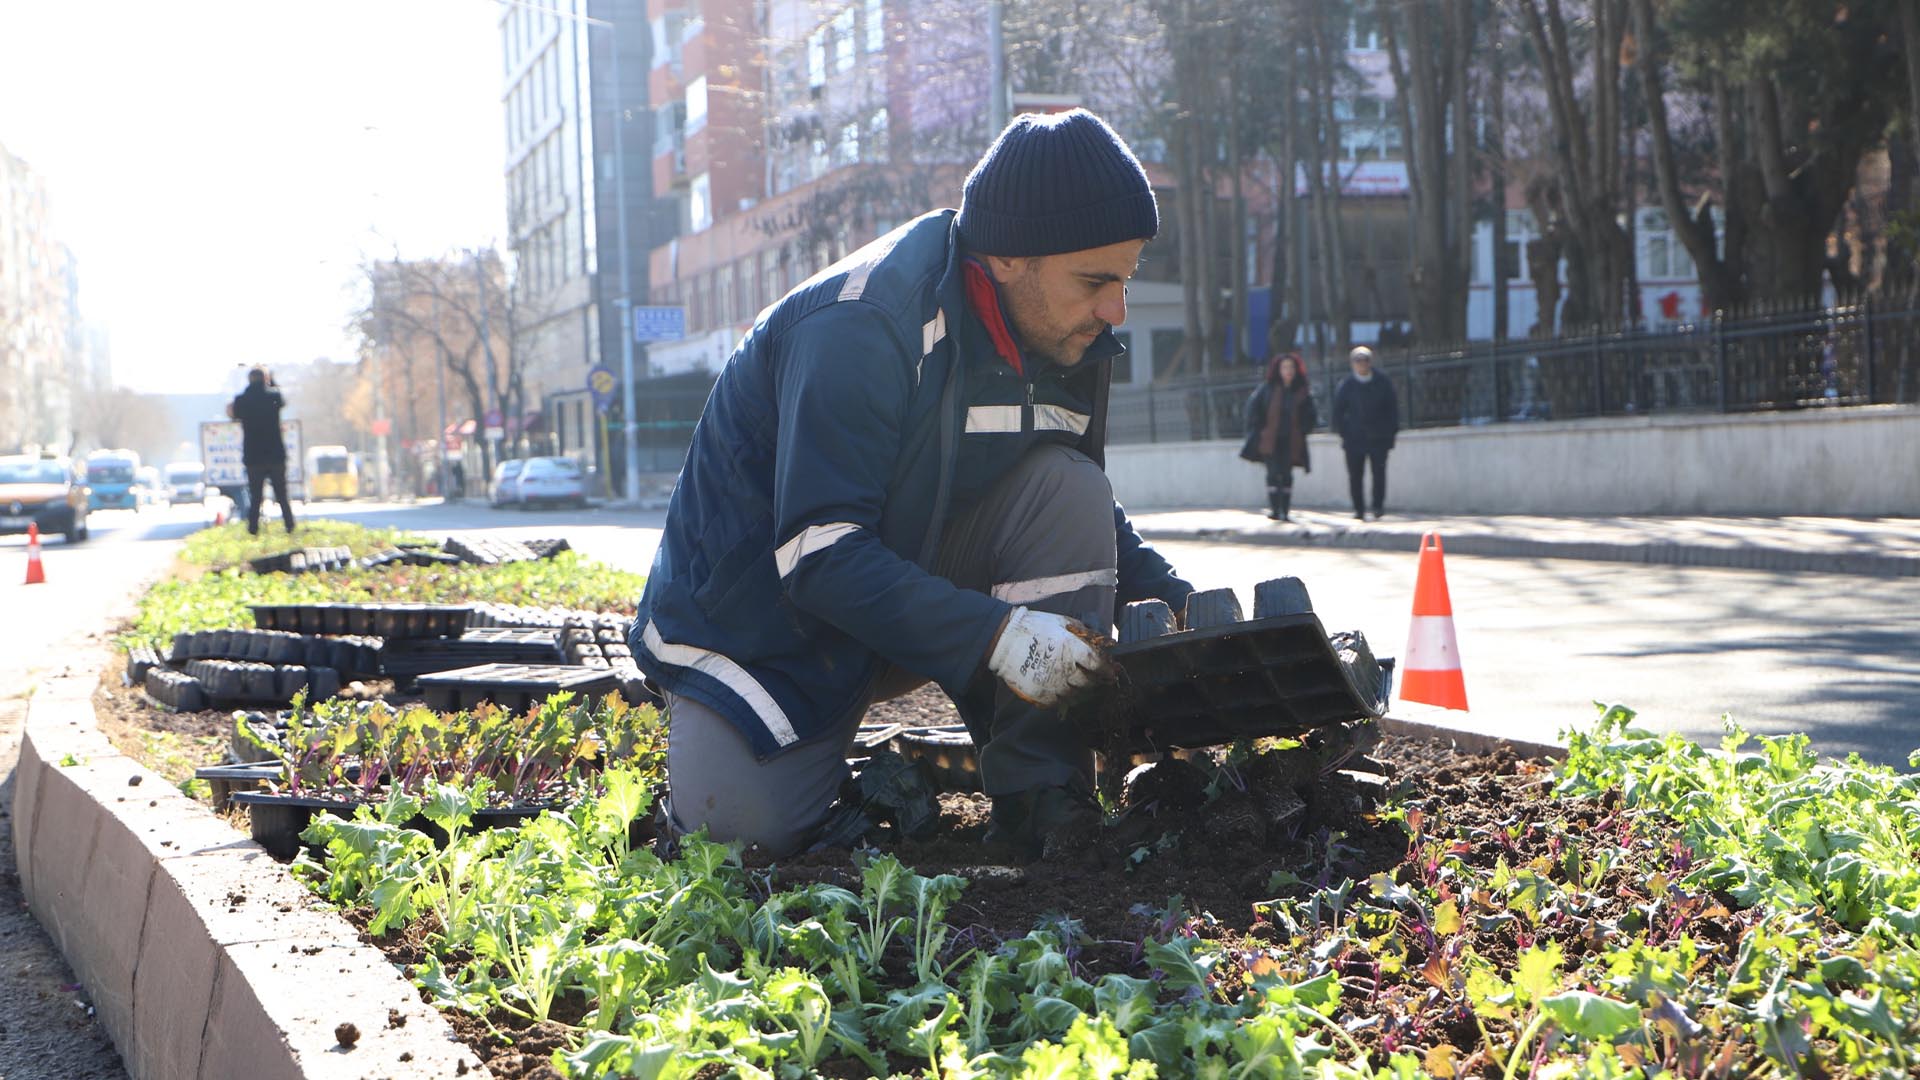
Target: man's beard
1027	308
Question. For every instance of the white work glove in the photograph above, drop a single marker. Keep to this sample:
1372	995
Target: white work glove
1043	657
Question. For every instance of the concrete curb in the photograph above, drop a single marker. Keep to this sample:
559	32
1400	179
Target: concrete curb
1778	560
1470	742
203	956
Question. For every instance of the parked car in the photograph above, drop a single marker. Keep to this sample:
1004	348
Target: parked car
186	482
44	491
505	486
554	481
150	488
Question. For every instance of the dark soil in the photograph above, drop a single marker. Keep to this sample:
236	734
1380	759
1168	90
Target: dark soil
1176	860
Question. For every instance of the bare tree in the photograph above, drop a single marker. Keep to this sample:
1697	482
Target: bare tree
1432	74
1586	149
460	308
116	417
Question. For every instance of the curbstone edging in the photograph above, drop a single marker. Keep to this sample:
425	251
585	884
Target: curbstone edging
1660	553
1470	742
204	957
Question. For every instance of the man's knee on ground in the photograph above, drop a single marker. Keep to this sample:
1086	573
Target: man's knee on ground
1074	485
746	812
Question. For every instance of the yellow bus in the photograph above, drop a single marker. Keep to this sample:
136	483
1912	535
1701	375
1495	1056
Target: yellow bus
332	473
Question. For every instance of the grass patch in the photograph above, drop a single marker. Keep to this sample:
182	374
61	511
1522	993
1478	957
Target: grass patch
228	545
220	598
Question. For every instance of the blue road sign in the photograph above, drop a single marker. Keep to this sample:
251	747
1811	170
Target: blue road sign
659	323
601	383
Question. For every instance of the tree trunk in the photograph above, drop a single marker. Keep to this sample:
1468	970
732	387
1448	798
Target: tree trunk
1910	34
1244	348
1718	287
1497	172
1325	181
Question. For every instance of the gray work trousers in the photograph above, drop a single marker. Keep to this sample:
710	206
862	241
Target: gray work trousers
1041	538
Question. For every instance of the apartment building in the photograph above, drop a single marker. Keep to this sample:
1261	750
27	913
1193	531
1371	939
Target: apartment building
44	358
573	69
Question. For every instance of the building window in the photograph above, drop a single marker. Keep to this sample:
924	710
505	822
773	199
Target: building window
770	289
876	148
876	27
696	104
817	58
843	42
1364	31
1662	254
817	158
700	203
846	149
723	296
1166	350
744	278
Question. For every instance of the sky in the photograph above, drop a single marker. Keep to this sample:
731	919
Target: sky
221	169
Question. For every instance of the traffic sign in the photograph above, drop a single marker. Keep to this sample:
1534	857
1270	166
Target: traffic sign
381	426
659	323
601	383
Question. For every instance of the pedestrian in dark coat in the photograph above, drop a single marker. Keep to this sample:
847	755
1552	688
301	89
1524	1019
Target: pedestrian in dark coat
262	449
1367	417
1280	413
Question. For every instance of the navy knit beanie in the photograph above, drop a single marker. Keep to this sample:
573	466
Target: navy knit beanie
1056	183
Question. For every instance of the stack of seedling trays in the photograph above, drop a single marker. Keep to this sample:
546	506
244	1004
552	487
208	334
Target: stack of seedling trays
409	658
390	621
515	687
352	655
413	556
228	683
302	560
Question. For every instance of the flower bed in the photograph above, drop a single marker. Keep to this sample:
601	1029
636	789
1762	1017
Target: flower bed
1647	908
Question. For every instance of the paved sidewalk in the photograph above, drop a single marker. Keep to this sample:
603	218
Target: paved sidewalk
1877	547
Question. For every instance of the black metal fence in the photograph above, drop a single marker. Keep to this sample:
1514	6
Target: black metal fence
1854	354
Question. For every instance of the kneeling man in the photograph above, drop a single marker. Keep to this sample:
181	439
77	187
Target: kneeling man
897	479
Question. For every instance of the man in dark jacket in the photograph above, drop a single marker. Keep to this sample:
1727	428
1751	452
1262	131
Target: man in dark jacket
1367	416
262	449
896	480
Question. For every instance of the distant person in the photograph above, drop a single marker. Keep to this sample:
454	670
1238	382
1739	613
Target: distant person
1367	417
459	483
262	449
1280	413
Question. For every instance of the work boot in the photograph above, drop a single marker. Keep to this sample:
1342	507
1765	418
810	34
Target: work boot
1286	506
1276	506
1044	823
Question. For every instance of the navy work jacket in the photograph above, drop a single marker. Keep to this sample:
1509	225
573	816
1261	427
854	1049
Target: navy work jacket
800	538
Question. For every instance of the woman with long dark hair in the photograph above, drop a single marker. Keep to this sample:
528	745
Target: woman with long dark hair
1280	413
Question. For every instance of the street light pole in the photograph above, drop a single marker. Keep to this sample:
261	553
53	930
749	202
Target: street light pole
629	429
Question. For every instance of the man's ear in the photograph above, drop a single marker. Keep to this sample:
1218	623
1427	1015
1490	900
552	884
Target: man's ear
1006	268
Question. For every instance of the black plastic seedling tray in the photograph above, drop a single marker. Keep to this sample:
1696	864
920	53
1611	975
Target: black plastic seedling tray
389	621
1277	676
514	687
406	660
278	820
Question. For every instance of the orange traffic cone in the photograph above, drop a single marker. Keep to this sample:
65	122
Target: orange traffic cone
1431	669
36	574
